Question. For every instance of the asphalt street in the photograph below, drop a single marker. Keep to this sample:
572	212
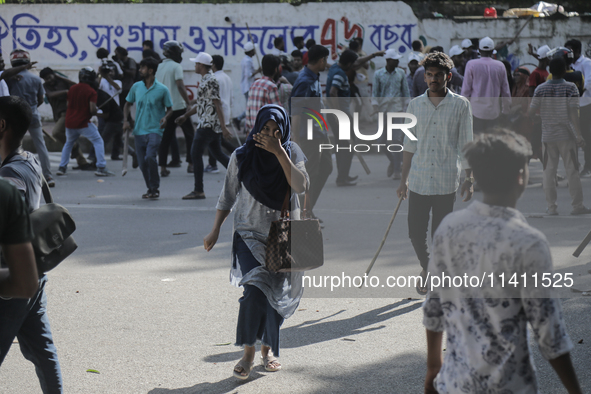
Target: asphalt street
144	305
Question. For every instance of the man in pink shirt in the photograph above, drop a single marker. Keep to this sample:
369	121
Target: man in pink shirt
485	81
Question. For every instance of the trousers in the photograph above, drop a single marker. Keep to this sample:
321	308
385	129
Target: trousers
553	151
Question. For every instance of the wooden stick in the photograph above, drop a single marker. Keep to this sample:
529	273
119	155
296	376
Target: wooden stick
583	244
363	163
49	135
383	240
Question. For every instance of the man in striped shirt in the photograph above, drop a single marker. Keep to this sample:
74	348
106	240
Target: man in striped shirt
558	102
432	164
264	90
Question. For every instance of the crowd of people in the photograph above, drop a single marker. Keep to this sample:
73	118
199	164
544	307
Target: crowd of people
463	101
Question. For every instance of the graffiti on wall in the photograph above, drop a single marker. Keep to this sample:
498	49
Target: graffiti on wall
30	32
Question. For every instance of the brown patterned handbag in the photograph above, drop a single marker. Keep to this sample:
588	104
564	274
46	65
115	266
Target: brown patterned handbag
294	245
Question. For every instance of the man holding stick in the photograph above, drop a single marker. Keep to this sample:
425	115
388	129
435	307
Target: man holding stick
432	164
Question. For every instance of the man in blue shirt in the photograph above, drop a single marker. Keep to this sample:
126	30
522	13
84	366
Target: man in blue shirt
307	85
153	109
337	85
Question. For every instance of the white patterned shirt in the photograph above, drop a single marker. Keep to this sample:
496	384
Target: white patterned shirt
441	134
208	90
487	347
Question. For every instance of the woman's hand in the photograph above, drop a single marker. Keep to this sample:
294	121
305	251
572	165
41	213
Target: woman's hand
210	239
269	143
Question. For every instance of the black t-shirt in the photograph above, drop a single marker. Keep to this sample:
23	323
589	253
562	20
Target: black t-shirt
114	110
575	77
15	227
59	105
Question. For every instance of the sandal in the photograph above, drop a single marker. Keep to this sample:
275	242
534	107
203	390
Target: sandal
147	194
154	195
269	361
422	285
246	368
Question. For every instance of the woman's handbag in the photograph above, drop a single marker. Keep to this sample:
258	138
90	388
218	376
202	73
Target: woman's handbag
294	245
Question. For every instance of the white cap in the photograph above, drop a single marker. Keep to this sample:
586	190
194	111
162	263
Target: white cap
414	56
249	46
203	58
486	44
392	54
466	43
543	51
455	50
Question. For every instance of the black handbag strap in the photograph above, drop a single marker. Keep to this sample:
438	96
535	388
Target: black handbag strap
285	206
305	211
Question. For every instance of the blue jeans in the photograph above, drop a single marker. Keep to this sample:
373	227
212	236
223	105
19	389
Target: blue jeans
92	134
146	148
37	136
27	320
257	319
206	138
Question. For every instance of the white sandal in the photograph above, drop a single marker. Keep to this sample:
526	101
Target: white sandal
268	362
246	368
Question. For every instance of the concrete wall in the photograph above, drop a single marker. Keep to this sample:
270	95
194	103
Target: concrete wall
66	37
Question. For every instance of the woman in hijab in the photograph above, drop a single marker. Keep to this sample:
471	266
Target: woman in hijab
259	176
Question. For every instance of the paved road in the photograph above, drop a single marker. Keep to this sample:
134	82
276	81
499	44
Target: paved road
146	306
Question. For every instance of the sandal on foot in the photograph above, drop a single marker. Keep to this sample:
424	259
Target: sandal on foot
271	363
245	367
422	284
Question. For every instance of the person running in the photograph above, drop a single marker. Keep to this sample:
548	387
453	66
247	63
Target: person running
27	320
487	349
432	164
226	95
170	74
558	102
210	122
260	174
56	89
82	99
30	87
319	164
153	110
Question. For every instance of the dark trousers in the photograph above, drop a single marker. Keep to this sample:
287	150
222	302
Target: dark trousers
226	145
206	138
257	319
484	125
147	146
27	320
169	136
585	121
419	207
343	152
319	165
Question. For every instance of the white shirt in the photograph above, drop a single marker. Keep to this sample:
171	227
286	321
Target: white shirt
487	347
105	86
226	88
277	52
247	68
3	87
583	64
119	70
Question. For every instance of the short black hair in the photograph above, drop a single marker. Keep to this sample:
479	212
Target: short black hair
278	40
354	45
149	53
121	50
297	40
102	53
218	61
436	49
296	53
17	114
348	57
417	45
439	60
149	44
317	53
150	63
45	72
496	158
557	67
574	44
270	64
359	40
310	43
